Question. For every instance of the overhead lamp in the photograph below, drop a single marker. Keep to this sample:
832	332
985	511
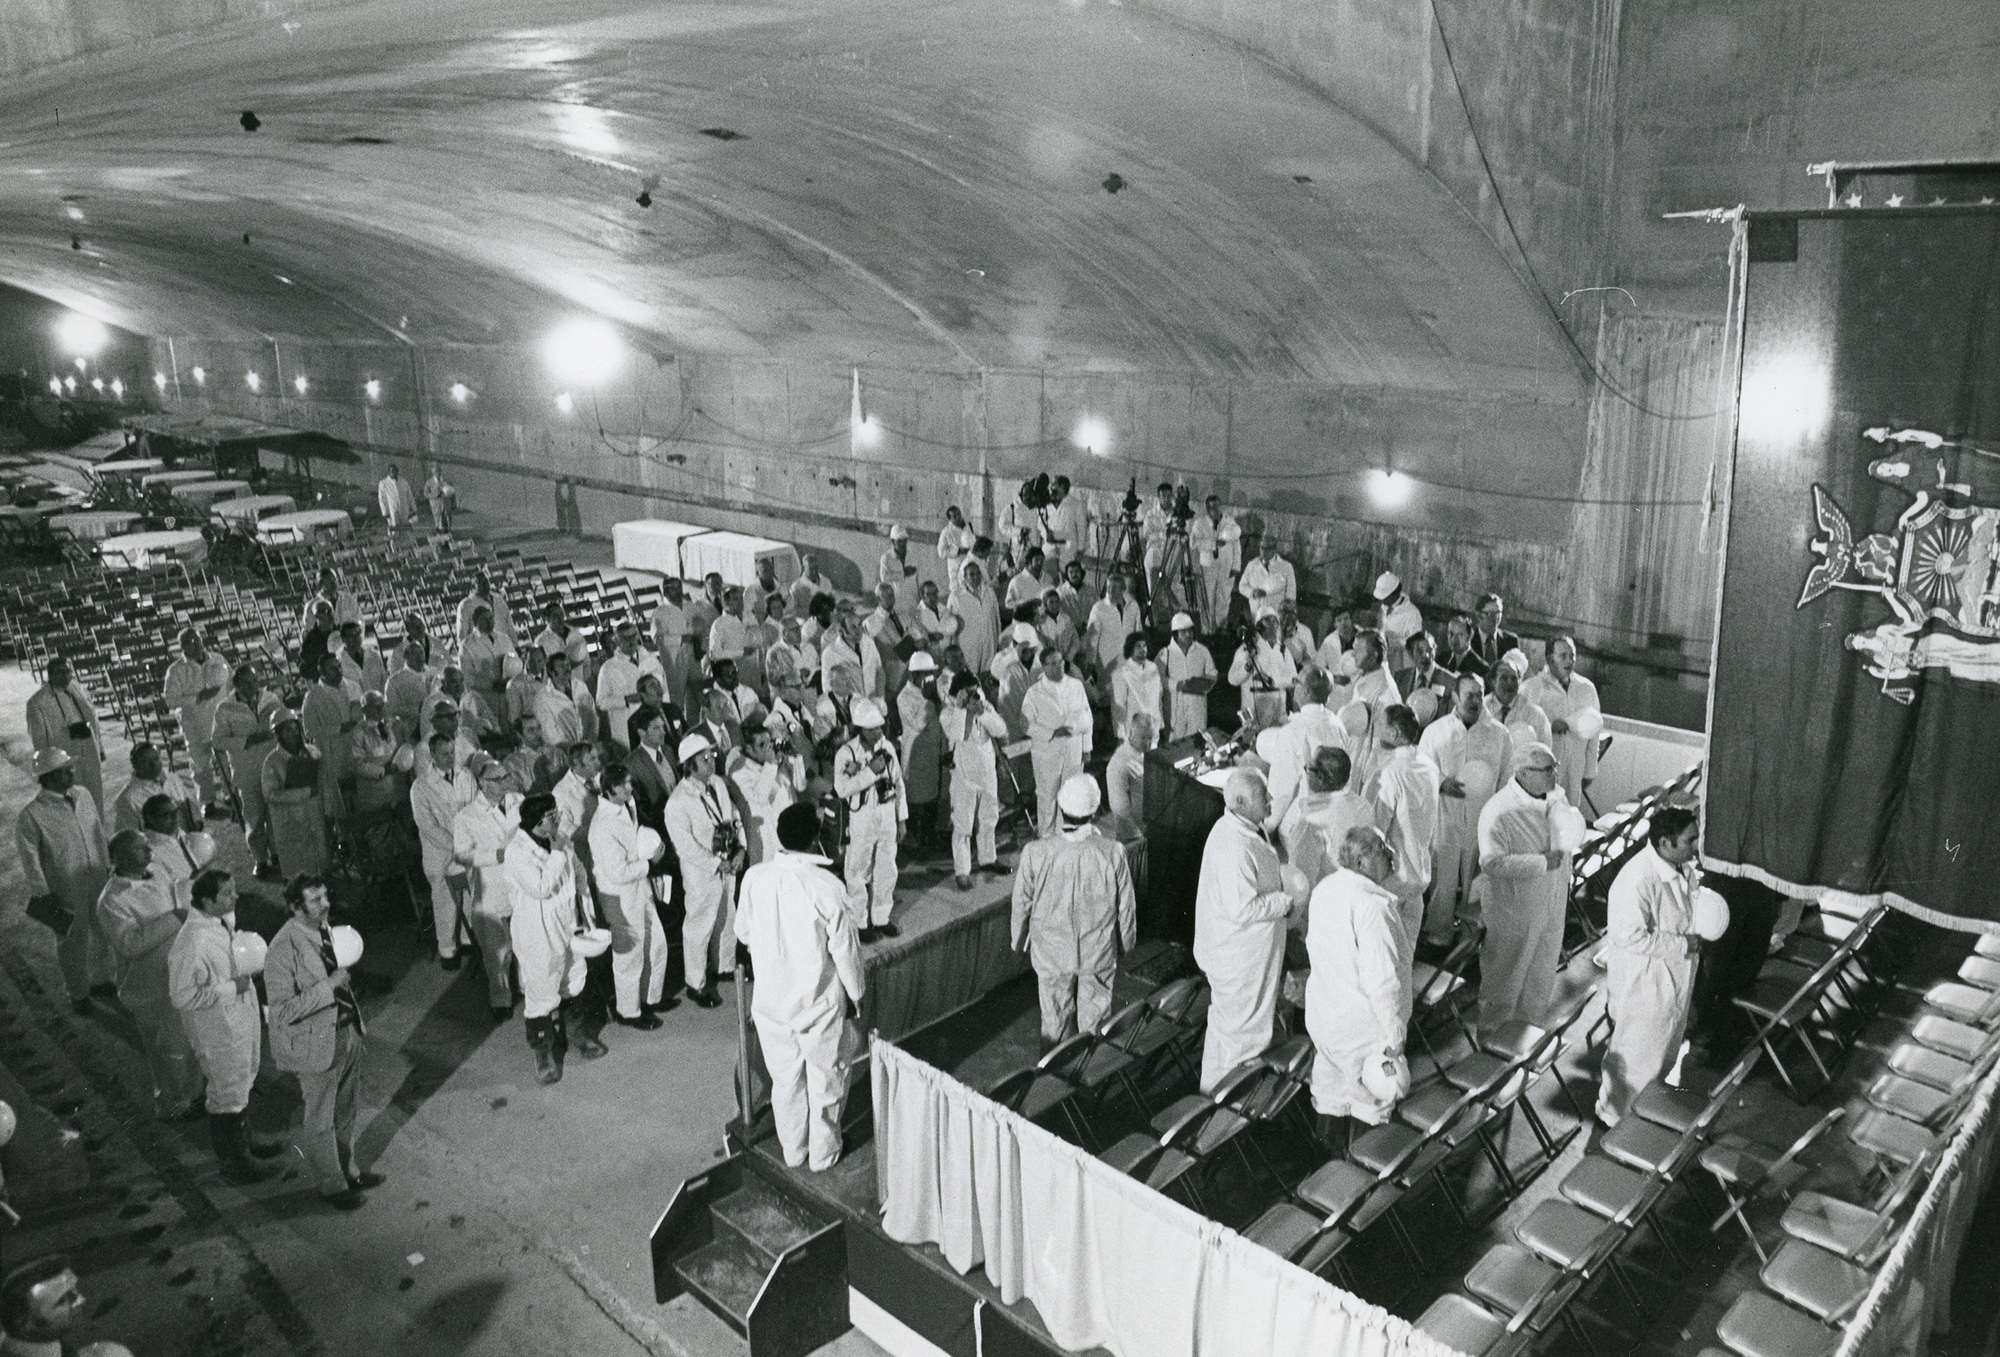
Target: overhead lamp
1389	489
583	352
460	392
82	365
299	383
96	383
160	380
118	387
78	333
69	383
1093	435
55	385
564	403
253	381
372	389
198	375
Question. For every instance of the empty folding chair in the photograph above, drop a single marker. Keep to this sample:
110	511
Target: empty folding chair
1093	1066
1860	1234
1037	1096
1439	1126
1516	1040
1151	1030
1471	1328
1509	1278
1758	1325
1823	1284
1443	988
1747	1171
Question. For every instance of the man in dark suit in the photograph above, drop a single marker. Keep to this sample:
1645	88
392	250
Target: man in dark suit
1490	640
1459	656
316	1032
653	698
652	771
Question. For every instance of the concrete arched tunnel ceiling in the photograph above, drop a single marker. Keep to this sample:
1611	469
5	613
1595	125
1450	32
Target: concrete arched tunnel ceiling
914	183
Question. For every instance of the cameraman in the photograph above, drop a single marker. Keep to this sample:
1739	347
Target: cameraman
867	775
708	838
1021	523
1154	522
1065	523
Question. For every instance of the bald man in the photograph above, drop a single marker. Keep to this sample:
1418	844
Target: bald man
1240	908
1527	891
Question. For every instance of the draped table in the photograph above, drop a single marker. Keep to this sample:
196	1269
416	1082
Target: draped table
136	551
251	508
204	493
651	544
303	525
734	556
94	525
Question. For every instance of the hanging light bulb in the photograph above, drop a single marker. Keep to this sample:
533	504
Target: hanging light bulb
864	430
252	380
299	383
160	380
372	389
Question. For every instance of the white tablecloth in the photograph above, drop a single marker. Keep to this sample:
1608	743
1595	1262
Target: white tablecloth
92	525
205	493
251	507
302	525
175	478
734	556
651	544
129	466
139	549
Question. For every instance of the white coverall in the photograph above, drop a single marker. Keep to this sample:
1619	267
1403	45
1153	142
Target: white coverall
975	782
1576	757
1047	708
1406	789
873	824
766	789
220	1018
185	680
1525	904
1289	748
1074	915
138	919
53	716
435	802
481	836
1650	972
244	737
1315	826
1260	669
1218	548
1525	721
1188	711
625	894
62	849
807	963
547	908
708	890
1239	943
1358	995
1456	747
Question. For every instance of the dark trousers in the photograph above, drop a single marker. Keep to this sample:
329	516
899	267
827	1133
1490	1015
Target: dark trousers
332	1097
1729	965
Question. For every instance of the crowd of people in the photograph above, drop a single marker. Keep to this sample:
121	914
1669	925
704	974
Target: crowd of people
567	796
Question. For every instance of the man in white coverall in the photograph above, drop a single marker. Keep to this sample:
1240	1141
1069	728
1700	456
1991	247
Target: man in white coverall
1358	995
1527	891
621	860
1651	962
1317	824
1056	712
867	774
435	801
1472	752
973	732
1406	790
1564	697
707	835
1240	907
806	964
1074	914
549	906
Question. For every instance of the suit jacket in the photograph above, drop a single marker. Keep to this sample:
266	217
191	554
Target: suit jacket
1491	651
650	789
303	1015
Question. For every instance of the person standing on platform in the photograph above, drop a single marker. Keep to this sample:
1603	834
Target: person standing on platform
1066	524
1240	908
1524	721
60	716
1125	776
1405	788
1268	581
766	779
1336	650
707	837
622	859
1155	522
294	783
921	745
1471	751
652	767
1358	995
1491	640
576	799
437	795
973	731
806	963
1014	673
1190	674
618	681
869	777
243	736
1650	965
1527	894
1317	824
1263	672
316	1033
551	901
1217	539
978	613
1137	688
482	835
1400	618
220	1015
140	921
1056	712
195	686
670	639
1074	915
1112	622
895	569
1570	702
1289	748
808	586
397	501
954	544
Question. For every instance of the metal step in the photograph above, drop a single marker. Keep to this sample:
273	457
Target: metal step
726	1276
765	1219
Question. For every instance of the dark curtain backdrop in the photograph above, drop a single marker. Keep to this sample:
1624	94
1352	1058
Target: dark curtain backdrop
1824	775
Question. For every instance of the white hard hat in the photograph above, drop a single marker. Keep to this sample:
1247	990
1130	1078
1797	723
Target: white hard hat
1567	826
899	533
510	666
922	663
1589	723
592	942
1711	914
651	845
1386	1077
696	743
346	944
1386	585
1181	620
867	714
50	760
1516	661
1024	633
1079	797
247	952
201	847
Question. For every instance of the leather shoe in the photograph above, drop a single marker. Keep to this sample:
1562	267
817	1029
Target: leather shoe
645	1022
590	1048
869	934
964	883
705	997
452	962
666	1005
994	868
502	1014
350	1200
268	871
888	931
364	1179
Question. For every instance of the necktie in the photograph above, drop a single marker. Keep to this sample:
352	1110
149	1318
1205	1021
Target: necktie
348	1011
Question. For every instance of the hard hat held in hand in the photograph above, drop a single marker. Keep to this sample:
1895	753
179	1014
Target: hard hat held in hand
1386	1077
8	1123
347	946
1711	914
651	845
1588	724
201	847
592	942
1566	826
247	951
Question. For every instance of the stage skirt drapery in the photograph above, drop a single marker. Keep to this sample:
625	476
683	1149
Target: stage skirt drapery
1106	1261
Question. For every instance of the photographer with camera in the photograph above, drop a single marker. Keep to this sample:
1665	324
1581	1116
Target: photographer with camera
1065	523
869	777
1022	523
708	838
1154	521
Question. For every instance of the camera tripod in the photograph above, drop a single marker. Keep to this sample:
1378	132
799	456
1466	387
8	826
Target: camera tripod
1180	586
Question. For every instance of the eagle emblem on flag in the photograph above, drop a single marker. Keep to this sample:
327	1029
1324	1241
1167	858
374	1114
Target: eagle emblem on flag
1939	572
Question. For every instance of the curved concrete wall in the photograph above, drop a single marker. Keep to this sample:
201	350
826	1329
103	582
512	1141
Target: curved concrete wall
38	33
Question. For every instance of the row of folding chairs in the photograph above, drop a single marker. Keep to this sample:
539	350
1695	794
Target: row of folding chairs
1818	993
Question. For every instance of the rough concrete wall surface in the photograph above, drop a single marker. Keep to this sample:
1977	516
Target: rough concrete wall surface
38	33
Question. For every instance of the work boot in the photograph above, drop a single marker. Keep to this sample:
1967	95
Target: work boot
582	1034
225	1134
542	1040
705	997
